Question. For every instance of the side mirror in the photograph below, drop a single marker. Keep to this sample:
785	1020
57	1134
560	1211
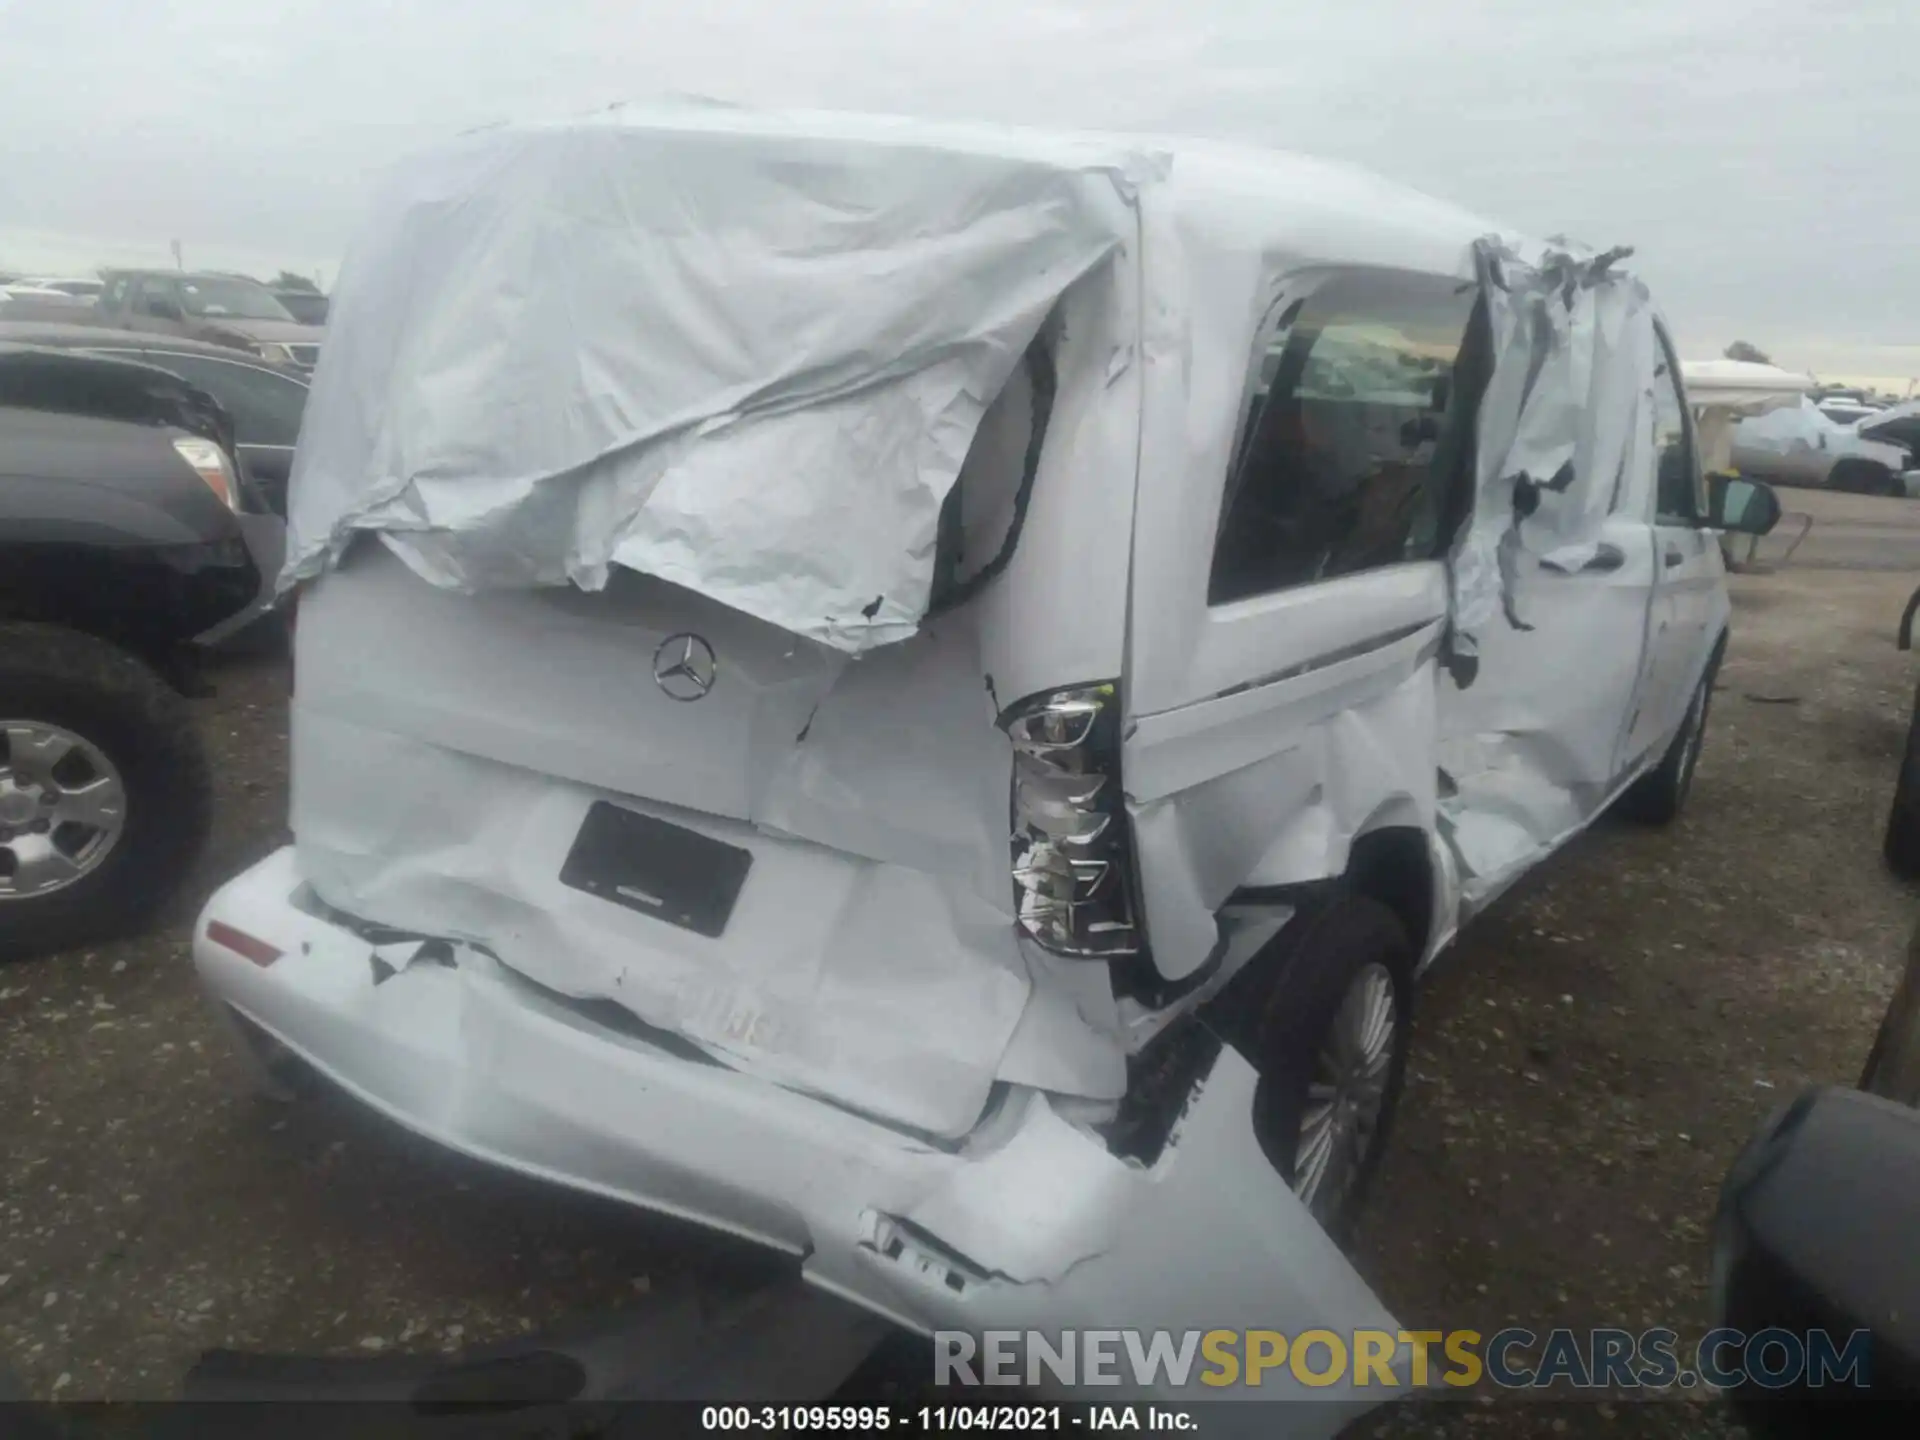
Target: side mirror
1816	1269
1745	507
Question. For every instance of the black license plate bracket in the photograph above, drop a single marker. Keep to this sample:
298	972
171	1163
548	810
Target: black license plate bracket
657	868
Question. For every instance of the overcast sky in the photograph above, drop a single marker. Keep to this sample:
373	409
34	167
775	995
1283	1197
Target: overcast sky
1764	155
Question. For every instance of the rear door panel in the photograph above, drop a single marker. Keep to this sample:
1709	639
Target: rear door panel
1278	707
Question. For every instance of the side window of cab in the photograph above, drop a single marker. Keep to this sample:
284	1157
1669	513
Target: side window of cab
1357	435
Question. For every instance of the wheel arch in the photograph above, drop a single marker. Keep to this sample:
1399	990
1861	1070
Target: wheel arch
1394	864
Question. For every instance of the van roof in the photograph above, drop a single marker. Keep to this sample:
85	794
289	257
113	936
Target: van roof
1233	189
644	311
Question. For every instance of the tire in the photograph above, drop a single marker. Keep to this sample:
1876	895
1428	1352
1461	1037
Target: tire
1902	844
120	710
1658	797
1863	477
1353	947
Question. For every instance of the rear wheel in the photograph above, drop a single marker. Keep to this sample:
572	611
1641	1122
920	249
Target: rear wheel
1658	797
1330	1043
105	799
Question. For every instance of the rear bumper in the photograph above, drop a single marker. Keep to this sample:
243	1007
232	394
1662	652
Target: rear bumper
1029	1224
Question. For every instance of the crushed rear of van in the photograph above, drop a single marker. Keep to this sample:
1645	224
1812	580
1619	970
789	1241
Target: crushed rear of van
719	551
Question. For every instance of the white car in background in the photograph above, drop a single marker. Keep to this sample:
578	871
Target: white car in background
79	287
1802	445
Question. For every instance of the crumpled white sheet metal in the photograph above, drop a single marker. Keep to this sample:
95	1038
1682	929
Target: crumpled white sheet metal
686	343
1564	416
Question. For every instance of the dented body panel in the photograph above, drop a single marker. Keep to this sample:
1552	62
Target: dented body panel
1270	514
1030	1222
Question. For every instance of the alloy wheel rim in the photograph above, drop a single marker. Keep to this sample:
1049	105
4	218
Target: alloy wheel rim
63	808
1347	1094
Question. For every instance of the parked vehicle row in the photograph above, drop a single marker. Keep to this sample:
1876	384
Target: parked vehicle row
229	310
284	327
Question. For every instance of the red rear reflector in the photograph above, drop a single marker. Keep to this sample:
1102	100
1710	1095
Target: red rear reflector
241	943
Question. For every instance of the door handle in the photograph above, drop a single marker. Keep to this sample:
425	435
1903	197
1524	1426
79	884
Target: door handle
1605	557
1672	556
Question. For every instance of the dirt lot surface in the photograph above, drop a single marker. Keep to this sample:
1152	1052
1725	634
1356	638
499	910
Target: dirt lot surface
1586	1063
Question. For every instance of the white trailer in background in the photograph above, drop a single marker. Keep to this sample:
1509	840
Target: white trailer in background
1723	392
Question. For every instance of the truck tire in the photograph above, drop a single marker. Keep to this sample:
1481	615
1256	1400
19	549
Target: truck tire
1329	1038
1902	844
99	761
1863	477
1658	797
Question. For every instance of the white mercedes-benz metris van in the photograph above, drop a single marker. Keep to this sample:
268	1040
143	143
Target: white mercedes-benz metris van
923	694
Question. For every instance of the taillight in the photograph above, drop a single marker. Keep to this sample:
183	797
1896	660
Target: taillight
1072	860
210	464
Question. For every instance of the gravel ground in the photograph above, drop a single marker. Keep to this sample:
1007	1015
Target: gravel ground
1586	1063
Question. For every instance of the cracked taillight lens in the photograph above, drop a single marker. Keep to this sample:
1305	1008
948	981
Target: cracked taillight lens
1072	868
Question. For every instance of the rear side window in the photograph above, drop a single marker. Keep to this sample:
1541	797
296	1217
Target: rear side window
115	295
1358	411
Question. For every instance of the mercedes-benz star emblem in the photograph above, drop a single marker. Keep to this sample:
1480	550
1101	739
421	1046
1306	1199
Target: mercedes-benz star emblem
683	667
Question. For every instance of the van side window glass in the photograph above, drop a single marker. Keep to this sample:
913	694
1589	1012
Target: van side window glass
1677	492
1344	460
